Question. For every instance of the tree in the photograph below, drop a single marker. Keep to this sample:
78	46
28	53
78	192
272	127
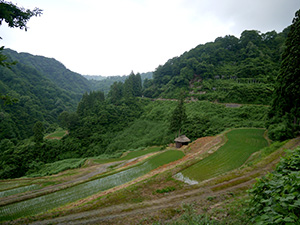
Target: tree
116	92
179	116
286	101
38	130
14	16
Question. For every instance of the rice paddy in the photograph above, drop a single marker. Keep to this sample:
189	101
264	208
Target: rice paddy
18	190
46	202
130	155
240	145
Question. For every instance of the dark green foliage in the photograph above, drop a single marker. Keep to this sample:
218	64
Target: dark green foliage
104	84
55	71
240	90
286	102
178	116
38	131
116	92
108	128
40	169
280	131
275	198
39	97
228	60
196	126
165	190
14	16
131	88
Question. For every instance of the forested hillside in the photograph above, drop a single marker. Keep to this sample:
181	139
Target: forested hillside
100	83
230	69
43	88
54	71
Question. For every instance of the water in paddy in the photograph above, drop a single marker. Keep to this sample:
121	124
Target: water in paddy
18	190
59	198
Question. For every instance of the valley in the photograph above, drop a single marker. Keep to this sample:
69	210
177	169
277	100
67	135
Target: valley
80	149
120	201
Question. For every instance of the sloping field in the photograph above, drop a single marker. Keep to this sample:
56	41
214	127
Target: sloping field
129	155
240	145
138	202
59	198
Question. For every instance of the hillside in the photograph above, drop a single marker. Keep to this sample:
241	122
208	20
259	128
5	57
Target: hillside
230	69
70	154
54	71
123	191
100	83
39	97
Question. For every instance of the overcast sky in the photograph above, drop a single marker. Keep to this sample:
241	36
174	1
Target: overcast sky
115	37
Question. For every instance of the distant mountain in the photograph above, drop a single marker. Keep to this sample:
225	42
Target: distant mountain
44	88
103	83
54	71
94	77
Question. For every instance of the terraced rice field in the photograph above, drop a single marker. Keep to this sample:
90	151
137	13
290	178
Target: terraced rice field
59	198
18	190
130	155
240	145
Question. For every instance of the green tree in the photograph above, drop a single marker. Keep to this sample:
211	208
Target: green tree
14	16
178	116
286	101
116	92
38	130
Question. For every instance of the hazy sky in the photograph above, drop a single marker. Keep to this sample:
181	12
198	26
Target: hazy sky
114	37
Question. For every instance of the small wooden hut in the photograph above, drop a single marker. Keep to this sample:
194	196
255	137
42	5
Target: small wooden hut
181	140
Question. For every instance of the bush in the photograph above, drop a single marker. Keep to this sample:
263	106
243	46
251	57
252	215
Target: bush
165	190
279	132
275	198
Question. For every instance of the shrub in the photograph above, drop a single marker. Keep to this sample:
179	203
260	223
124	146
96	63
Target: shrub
165	190
279	132
275	198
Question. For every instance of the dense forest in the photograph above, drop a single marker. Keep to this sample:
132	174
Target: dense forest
133	112
39	98
230	69
103	83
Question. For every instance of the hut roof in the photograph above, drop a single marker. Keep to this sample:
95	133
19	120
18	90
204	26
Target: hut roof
182	139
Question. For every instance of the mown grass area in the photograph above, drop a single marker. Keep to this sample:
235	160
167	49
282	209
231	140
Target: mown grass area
240	145
74	193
